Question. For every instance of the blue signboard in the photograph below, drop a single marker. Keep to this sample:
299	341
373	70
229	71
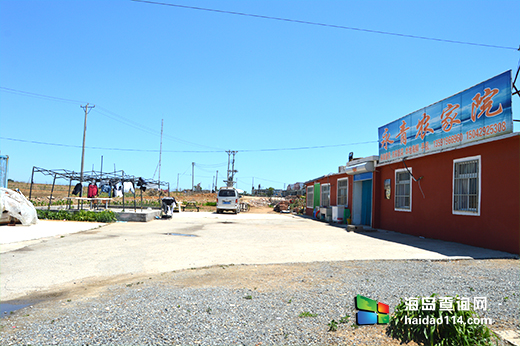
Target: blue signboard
480	112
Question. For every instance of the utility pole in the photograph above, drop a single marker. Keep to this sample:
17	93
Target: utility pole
216	182
86	108
231	172
178	182
160	154
192	176
233	168
228	158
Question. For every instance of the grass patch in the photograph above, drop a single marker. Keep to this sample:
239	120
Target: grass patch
333	326
307	314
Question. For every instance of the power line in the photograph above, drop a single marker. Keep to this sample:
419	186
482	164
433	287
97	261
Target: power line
185	151
104	148
107	113
271	181
26	93
327	25
306	148
213	165
131	123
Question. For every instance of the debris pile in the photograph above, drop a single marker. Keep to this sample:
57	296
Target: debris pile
257	202
282	207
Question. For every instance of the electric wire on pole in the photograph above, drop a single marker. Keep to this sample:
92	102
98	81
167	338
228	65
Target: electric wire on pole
86	108
160	155
231	172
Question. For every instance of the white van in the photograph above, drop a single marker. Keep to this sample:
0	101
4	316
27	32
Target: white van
228	199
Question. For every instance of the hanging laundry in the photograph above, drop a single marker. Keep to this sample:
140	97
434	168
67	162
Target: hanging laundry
141	184
105	188
77	189
128	187
92	190
118	192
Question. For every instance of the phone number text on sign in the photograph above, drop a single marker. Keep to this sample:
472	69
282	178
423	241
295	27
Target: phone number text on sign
486	130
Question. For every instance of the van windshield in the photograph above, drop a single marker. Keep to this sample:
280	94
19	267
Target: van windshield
227	193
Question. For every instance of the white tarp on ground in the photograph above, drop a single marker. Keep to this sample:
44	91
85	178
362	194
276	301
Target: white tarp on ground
18	207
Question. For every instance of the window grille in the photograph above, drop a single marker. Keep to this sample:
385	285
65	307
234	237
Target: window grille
310	196
343	192
325	195
402	190
466	186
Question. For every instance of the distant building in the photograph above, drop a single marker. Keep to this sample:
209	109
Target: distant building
296	189
266	192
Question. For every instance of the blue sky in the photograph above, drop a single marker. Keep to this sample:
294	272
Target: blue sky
229	82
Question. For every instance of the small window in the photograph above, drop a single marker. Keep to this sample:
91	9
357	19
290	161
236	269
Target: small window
325	195
310	196
403	189
343	192
227	193
466	186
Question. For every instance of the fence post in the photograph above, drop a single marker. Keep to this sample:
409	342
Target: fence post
52	190
32	181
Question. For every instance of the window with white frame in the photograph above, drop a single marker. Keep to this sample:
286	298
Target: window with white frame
403	189
343	192
466	186
310	196
325	195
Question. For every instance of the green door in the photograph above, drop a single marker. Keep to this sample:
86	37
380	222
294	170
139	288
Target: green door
317	194
366	202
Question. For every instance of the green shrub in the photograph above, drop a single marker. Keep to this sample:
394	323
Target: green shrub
81	215
107	216
210	204
63	215
452	327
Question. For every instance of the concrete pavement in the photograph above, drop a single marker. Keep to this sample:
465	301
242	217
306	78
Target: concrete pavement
191	240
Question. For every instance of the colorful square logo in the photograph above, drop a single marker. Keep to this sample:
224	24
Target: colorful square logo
372	311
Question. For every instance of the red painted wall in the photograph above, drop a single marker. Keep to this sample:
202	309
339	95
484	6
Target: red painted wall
497	227
333	181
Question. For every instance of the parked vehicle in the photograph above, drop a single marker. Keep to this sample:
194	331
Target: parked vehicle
228	200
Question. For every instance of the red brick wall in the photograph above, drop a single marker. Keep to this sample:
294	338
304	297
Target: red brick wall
497	227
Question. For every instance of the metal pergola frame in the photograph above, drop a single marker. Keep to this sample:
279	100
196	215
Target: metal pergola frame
112	177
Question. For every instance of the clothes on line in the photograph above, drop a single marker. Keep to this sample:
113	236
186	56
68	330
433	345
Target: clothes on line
77	189
92	190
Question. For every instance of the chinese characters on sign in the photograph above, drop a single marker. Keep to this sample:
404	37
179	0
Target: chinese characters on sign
449	118
448	304
480	112
445	304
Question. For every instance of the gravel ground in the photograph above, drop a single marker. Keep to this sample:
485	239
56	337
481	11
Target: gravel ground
258	305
